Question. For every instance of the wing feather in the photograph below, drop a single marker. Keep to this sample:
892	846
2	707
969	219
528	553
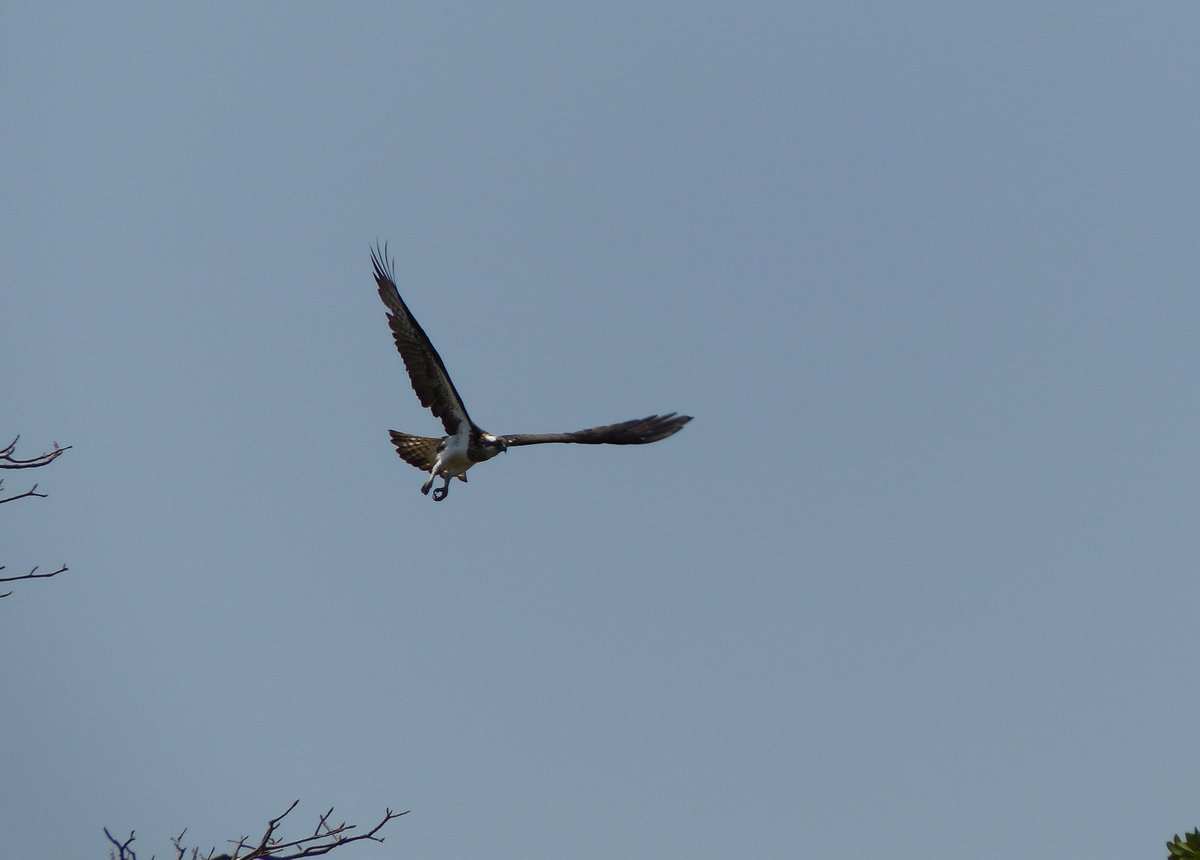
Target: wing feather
419	451
639	431
430	380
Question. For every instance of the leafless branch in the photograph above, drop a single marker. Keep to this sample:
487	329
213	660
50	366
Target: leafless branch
32	491
182	852
33	574
8	461
270	846
123	852
325	837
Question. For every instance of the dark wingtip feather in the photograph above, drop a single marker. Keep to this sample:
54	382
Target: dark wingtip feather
384	268
653	428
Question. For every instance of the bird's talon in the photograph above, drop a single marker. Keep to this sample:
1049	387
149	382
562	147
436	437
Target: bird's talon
440	493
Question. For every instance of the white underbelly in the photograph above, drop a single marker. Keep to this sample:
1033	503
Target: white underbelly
454	458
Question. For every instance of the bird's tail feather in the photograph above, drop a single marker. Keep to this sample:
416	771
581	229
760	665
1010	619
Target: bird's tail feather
419	451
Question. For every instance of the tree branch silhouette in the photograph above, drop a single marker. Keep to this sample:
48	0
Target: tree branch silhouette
270	846
8	460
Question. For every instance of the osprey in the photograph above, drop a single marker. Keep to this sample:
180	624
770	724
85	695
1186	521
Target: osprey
465	443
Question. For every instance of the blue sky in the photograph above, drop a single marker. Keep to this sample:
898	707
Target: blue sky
916	580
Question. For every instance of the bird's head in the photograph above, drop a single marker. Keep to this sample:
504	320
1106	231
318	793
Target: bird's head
493	444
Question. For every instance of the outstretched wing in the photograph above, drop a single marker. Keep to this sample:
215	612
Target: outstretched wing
429	378
639	431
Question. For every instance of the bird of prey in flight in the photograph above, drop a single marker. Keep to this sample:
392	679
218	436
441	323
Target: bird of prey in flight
465	442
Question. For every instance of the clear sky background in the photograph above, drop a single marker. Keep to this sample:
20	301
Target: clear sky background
919	580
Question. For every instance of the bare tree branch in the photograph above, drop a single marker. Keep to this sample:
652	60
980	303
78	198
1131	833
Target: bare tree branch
8	461
181	851
33	574
32	491
124	852
325	838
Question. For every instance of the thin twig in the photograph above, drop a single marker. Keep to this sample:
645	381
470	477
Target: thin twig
33	574
8	461
32	491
